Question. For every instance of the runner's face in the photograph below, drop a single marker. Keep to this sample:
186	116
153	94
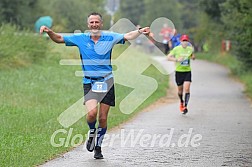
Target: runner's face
94	23
184	44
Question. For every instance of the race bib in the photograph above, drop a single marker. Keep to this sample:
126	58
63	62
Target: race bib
185	62
100	87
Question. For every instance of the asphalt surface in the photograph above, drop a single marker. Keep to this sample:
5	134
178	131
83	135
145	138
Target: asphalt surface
217	131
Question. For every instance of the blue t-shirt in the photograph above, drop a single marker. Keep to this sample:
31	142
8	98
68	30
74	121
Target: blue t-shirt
175	40
96	57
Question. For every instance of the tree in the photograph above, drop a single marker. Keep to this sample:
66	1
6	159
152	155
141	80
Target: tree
19	12
190	13
162	8
71	15
132	10
212	8
237	16
68	15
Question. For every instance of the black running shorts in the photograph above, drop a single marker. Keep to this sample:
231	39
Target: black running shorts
181	77
106	98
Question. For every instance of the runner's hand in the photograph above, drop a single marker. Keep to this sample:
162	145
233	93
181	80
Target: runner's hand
44	29
180	59
193	57
145	30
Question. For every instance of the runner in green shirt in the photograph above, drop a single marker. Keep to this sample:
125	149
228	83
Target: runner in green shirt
181	55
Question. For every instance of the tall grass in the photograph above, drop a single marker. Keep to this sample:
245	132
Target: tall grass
20	48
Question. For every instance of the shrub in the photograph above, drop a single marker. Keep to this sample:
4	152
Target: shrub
20	48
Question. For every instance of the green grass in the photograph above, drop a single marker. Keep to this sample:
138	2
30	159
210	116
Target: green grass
20	48
247	80
235	67
32	97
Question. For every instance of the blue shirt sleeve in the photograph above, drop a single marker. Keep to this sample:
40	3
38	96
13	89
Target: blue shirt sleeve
71	40
118	38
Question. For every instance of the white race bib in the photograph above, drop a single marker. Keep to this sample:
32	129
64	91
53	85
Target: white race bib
100	87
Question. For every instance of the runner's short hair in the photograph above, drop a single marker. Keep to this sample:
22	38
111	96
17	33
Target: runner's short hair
95	14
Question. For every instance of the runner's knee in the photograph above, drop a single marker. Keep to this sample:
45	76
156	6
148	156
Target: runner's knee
103	121
187	90
91	116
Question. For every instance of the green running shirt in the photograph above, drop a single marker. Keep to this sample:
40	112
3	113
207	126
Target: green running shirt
186	53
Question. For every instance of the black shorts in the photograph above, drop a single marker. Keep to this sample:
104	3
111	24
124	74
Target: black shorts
106	98
181	77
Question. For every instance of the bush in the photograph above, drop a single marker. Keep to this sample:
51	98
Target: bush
20	48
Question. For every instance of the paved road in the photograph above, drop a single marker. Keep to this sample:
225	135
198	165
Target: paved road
217	131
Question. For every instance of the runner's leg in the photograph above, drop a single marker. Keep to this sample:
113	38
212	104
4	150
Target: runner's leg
91	121
187	85
180	93
102	128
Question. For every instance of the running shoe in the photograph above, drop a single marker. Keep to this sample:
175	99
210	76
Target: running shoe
98	153
185	110
90	145
181	107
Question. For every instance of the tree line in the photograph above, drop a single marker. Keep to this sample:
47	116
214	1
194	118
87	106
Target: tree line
231	19
68	15
204	20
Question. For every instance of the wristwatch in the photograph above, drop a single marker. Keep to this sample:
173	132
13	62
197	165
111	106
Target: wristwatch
139	31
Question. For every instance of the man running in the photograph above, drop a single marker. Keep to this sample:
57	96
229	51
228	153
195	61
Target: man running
95	49
166	33
181	55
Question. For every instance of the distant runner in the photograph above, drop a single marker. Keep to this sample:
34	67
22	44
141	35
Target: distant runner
181	55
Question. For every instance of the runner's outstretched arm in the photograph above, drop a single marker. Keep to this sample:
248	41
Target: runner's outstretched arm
134	34
54	36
